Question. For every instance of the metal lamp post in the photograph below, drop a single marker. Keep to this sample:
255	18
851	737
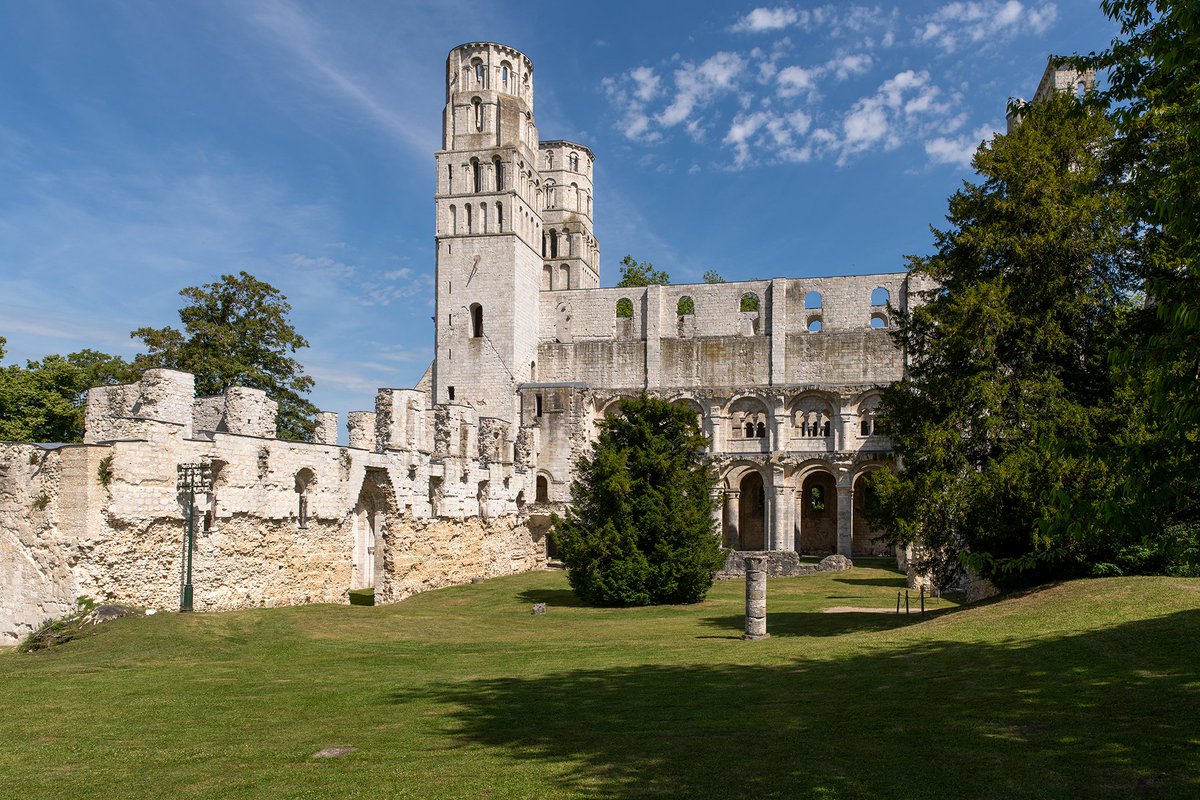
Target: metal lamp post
193	478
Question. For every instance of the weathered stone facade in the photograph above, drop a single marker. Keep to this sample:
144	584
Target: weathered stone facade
455	478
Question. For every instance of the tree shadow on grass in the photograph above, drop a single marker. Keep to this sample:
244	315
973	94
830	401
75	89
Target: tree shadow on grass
898	582
817	623
1097	714
551	597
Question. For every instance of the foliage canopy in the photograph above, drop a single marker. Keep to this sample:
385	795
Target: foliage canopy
640	528
236	332
1008	392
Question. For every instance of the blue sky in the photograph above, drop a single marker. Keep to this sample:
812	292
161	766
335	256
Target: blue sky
148	146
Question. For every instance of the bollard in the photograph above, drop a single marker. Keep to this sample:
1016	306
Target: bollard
922	600
897	602
756	597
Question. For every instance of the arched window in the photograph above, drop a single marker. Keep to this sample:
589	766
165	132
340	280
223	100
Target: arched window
574	161
624	308
814	324
479	71
450	178
477	175
575	194
304	479
760	432
749	302
500	217
812	300
880	297
483	217
498	167
477	105
476	320
467	207
553	243
549	159
749	430
685	306
589	205
504	75
543	489
547	277
878	321
453	220
564	277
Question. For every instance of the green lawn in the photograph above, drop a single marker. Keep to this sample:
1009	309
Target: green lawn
1088	689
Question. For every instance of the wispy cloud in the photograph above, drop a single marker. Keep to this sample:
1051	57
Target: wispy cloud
982	23
299	36
766	19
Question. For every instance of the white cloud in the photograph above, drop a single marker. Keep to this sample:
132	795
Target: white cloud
981	23
845	66
695	86
791	81
766	19
646	83
958	150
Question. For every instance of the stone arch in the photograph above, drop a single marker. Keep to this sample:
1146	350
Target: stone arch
817	512
476	321
878	320
685	307
542	487
694	406
746	414
811	416
880	296
752	511
813	300
547	277
864	538
305	479
376	501
867	408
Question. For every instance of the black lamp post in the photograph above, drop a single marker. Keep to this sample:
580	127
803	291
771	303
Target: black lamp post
193	478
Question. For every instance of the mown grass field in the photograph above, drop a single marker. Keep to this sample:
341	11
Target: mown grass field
1087	689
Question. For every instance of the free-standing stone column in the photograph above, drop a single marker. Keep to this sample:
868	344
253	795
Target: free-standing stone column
756	597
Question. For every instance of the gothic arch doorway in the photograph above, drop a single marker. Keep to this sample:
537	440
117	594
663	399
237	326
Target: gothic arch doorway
818	514
751	513
370	514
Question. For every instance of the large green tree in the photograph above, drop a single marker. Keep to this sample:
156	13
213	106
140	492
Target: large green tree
640	527
1008	393
1154	89
236	332
45	400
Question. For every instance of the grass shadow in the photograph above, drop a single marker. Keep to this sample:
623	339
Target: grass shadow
815	623
551	597
979	719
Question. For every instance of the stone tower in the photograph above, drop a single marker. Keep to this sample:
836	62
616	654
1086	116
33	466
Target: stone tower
570	252
489	231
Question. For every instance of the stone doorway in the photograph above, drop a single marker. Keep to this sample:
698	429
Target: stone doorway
818	515
752	513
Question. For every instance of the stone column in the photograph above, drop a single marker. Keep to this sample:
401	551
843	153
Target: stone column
778	540
327	428
731	519
845	519
756	597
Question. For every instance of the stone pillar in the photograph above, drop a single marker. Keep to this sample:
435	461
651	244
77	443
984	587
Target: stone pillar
326	430
731	519
775	305
778	514
845	519
361	428
717	426
756	597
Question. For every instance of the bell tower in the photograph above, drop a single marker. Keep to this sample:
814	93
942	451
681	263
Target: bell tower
488	202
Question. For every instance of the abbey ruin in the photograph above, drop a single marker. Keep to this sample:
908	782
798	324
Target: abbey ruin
456	478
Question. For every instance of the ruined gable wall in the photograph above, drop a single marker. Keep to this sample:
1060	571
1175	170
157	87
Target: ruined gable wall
718	344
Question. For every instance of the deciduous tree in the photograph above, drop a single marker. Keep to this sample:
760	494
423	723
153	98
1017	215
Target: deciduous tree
236	332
